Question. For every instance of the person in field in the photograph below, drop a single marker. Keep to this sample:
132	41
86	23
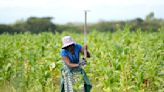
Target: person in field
70	54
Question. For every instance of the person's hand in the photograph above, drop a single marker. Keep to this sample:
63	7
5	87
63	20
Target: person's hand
85	47
83	62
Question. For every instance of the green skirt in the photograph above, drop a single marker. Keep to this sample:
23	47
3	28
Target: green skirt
87	85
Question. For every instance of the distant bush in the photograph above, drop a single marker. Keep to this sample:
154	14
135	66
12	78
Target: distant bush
32	24
69	27
7	29
44	24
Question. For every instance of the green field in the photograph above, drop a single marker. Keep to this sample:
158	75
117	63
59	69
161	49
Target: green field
122	61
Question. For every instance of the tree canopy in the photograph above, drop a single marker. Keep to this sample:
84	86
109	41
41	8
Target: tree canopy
44	24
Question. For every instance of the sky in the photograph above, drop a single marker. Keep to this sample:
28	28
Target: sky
64	11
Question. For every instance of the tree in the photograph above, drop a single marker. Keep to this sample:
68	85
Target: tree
36	25
6	28
150	16
20	26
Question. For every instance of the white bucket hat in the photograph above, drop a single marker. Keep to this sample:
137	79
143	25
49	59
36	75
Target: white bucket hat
67	40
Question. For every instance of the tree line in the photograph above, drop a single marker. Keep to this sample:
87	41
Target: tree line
32	24
45	24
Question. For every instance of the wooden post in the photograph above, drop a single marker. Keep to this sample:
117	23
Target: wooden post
85	33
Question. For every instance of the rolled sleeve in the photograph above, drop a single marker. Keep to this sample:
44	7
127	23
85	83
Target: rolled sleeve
63	53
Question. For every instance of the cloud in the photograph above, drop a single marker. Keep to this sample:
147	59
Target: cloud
72	10
76	4
58	6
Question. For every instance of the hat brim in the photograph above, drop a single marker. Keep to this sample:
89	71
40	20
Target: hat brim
66	45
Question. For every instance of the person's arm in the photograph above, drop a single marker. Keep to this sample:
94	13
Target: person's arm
82	50
67	62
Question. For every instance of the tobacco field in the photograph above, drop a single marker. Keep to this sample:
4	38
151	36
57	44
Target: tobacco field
122	61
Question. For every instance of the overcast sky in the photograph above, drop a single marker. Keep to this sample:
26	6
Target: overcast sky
64	11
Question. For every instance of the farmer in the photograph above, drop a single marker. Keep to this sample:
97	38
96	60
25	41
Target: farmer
70	53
